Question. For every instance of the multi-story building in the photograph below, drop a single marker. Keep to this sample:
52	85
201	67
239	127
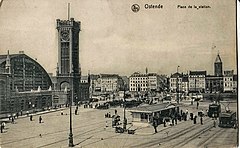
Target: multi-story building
126	82
138	82
111	82
197	81
85	88
214	84
163	83
153	82
95	85
185	84
228	81
175	82
147	82
235	83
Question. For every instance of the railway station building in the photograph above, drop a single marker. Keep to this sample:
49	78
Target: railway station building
24	84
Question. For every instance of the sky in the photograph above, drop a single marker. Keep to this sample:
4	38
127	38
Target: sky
114	39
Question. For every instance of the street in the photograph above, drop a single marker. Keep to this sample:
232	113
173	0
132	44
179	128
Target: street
89	130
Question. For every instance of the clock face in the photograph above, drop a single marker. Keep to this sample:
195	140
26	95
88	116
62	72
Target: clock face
64	35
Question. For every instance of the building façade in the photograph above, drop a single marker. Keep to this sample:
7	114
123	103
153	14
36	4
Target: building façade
24	84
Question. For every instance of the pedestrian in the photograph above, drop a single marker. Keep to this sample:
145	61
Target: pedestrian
30	117
201	120
75	111
197	104
1	128
12	119
214	123
172	121
191	116
179	117
3	124
115	111
185	117
106	124
40	119
164	122
17	114
155	125
21	113
195	120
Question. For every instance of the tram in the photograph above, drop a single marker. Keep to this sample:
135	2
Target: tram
227	119
214	110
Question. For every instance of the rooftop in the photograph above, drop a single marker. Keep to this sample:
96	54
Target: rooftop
218	59
197	73
109	76
176	75
153	108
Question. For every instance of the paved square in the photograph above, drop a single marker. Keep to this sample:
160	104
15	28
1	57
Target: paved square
89	130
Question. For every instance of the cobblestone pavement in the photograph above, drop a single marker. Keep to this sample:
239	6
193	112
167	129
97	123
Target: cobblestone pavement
89	130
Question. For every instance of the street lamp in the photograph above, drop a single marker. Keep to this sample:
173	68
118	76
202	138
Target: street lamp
33	108
124	110
70	144
177	87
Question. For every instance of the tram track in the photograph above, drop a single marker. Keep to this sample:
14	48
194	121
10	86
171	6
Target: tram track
193	136
206	141
56	132
173	136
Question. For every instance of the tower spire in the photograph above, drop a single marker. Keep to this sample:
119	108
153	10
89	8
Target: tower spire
218	66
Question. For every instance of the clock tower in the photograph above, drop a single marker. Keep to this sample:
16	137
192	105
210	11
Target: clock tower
68	69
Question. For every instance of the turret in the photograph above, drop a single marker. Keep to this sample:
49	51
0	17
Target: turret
8	64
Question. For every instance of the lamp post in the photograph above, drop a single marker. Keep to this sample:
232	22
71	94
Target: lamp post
70	144
124	110
177	87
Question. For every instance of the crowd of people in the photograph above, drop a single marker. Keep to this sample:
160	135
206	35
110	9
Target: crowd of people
179	116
